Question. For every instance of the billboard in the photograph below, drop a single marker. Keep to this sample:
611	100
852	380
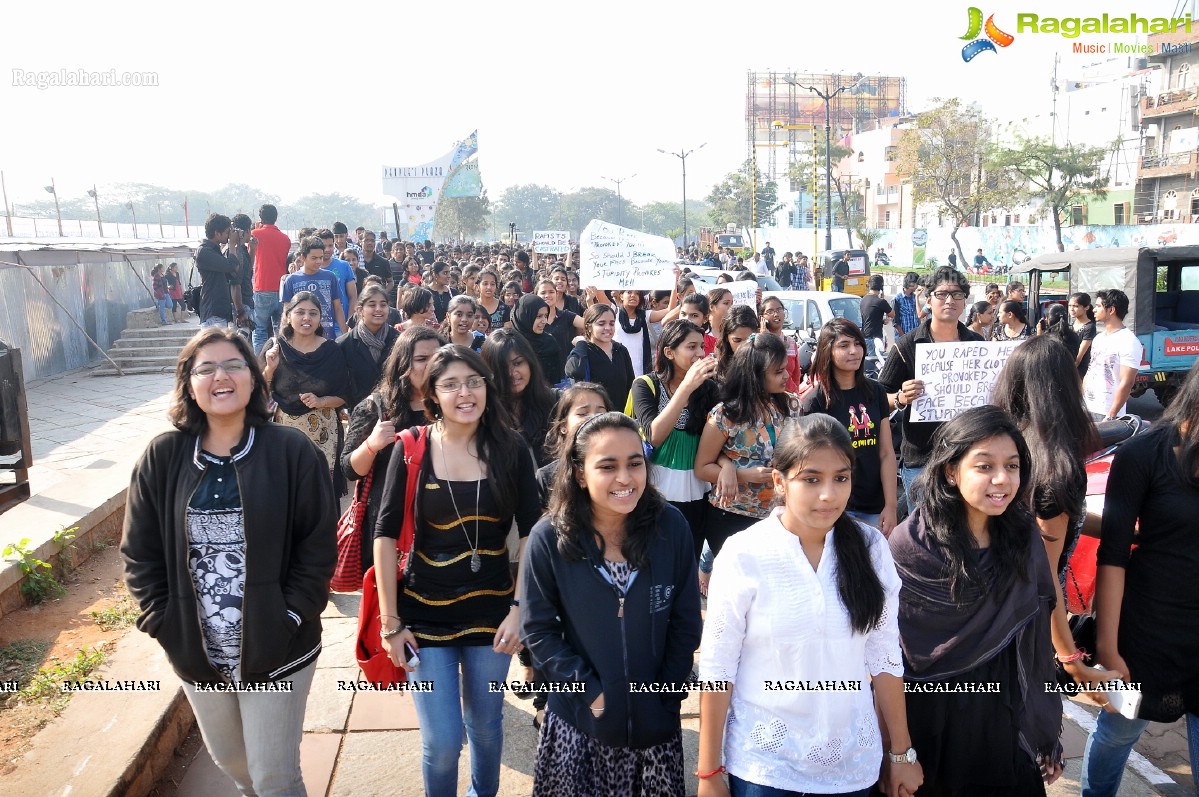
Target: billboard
417	189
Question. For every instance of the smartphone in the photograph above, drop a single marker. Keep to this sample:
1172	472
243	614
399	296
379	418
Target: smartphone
412	659
1126	701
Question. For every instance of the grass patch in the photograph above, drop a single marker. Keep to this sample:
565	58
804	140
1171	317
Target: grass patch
122	614
20	661
46	684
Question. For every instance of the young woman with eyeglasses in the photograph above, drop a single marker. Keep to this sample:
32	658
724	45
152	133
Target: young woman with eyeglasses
456	604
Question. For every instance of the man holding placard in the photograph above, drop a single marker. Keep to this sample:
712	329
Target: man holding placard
950	289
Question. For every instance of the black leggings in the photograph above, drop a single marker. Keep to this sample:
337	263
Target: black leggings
696	515
722	524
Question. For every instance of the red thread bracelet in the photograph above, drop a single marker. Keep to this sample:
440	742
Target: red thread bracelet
720	770
1078	655
367	443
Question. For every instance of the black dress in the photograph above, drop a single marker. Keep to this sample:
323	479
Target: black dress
1159	617
588	363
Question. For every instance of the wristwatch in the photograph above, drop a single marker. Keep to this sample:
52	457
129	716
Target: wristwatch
906	757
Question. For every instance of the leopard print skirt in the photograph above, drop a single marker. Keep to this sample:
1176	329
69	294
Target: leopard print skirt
571	762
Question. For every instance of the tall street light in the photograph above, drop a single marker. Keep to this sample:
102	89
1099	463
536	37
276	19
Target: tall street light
96	198
827	95
134	212
50	189
619	198
682	156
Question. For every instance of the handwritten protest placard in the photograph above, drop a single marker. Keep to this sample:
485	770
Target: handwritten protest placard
957	376
551	242
617	258
744	291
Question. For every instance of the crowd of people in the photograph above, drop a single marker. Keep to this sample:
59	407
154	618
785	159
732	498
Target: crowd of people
844	646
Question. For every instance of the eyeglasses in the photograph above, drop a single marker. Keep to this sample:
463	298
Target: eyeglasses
230	367
945	296
474	383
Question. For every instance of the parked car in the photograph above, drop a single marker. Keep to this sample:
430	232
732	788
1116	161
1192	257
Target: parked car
807	311
701	275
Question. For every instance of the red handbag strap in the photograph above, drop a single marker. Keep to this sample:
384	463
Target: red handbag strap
414	454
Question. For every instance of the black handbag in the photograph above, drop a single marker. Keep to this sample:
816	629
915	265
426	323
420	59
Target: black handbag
191	296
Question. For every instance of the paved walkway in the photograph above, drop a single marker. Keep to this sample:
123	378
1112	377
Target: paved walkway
86	434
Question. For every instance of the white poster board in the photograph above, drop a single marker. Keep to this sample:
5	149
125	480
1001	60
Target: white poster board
957	376
744	292
617	258
551	242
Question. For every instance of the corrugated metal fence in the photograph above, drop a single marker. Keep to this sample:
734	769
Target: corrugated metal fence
98	289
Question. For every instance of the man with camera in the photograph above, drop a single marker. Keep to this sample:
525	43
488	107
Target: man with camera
220	287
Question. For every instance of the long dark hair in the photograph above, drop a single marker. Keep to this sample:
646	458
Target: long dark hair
824	373
944	510
570	505
1057	325
185	414
738	316
674	334
1040	388
858	584
744	391
1183	415
555	438
498	445
395	386
303	296
1015	308
1084	299
537	400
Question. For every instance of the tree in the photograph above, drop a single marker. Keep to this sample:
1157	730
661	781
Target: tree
809	173
1056	176
732	200
463	218
662	217
530	206
320	210
944	157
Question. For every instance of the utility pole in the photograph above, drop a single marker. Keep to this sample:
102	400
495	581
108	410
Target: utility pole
619	198
96	198
51	189
682	156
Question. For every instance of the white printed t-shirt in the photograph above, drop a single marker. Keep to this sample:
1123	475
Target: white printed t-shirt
1109	353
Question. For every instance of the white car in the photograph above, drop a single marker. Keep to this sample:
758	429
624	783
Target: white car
808	311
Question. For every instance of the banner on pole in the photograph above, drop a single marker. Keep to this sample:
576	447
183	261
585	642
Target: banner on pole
617	258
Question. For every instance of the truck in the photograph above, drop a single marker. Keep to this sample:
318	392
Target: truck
1162	284
714	240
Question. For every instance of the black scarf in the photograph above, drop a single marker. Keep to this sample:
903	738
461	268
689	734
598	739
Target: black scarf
941	639
549	354
322	372
638	324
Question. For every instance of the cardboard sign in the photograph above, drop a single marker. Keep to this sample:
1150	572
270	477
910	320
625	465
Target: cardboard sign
744	292
551	242
957	376
617	258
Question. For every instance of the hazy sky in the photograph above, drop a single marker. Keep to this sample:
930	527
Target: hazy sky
302	98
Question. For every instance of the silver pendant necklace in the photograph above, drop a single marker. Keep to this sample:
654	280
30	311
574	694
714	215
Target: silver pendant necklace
476	564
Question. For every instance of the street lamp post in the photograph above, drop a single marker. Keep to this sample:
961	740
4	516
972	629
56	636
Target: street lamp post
51	189
96	198
134	212
827	95
619	198
682	156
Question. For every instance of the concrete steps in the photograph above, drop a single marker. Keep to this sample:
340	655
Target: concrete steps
145	347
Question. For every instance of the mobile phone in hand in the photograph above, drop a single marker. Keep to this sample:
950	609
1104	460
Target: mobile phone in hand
411	657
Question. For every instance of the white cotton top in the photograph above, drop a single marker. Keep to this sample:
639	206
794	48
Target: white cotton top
802	713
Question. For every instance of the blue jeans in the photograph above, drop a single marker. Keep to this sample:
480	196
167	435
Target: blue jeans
1108	747
908	477
461	677
254	737
163	306
268	316
868	519
743	788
